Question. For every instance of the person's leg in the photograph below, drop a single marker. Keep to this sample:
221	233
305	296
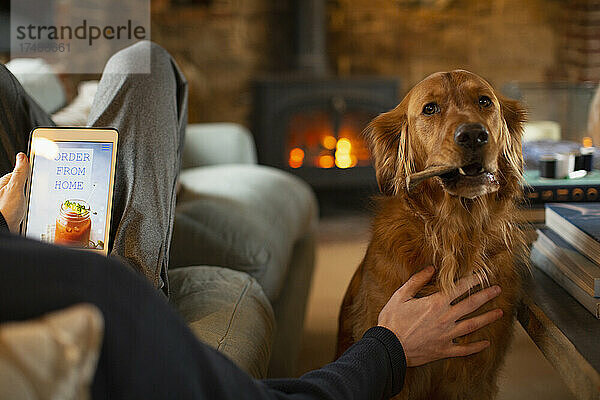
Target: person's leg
19	114
150	113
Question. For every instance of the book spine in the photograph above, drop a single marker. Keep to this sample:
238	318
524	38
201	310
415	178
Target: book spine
566	264
559	194
547	266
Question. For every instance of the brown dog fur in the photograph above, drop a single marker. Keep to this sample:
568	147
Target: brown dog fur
435	225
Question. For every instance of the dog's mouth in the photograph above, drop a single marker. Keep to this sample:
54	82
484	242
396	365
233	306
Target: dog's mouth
467	171
470	181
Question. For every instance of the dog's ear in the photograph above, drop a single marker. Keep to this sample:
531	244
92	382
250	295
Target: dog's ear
387	136
514	116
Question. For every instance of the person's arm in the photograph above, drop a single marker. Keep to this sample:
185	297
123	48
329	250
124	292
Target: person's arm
373	368
12	195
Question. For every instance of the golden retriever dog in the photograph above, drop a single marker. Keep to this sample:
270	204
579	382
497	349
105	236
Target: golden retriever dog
448	161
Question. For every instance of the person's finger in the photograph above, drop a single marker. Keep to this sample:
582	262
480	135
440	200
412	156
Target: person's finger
460	350
415	283
472	324
462	285
4	180
21	172
474	301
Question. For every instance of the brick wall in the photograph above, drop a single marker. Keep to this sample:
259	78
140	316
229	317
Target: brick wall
501	40
222	47
579	40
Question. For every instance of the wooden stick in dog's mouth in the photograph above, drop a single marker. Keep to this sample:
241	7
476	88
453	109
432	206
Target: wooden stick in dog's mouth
414	179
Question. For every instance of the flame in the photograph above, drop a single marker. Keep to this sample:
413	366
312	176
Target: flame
587	141
345	161
343	156
315	143
344	146
326	161
296	157
329	142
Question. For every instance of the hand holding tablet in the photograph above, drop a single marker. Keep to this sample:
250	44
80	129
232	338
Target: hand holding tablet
69	193
12	196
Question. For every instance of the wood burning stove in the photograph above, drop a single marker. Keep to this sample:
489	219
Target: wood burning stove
312	126
309	122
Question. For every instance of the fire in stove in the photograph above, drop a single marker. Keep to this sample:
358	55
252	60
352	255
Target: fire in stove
316	139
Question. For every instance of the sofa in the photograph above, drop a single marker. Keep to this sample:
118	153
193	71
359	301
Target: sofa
243	250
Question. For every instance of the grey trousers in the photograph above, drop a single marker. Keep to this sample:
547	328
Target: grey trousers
150	113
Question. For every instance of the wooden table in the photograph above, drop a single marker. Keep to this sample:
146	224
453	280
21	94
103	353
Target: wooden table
567	334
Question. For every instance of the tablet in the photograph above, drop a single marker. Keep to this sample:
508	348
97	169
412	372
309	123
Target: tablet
69	191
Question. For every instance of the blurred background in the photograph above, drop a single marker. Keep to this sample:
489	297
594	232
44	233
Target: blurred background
306	76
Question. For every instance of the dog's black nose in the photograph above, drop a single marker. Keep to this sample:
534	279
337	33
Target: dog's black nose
471	136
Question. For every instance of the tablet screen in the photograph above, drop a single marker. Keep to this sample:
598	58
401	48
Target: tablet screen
69	192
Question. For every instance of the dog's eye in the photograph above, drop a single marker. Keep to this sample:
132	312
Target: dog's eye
431	108
485	101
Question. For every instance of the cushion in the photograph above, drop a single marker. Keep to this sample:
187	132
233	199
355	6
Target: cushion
244	217
217	143
76	113
227	310
39	81
53	357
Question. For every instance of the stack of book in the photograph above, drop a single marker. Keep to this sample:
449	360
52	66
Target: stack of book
568	250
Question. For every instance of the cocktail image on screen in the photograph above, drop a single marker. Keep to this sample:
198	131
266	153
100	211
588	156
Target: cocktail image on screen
73	224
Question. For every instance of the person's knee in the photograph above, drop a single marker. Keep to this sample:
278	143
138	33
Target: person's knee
142	58
141	50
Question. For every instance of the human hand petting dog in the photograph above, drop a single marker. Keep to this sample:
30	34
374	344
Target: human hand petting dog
12	194
426	326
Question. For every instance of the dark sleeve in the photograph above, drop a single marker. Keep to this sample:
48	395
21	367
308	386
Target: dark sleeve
373	368
149	352
3	224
